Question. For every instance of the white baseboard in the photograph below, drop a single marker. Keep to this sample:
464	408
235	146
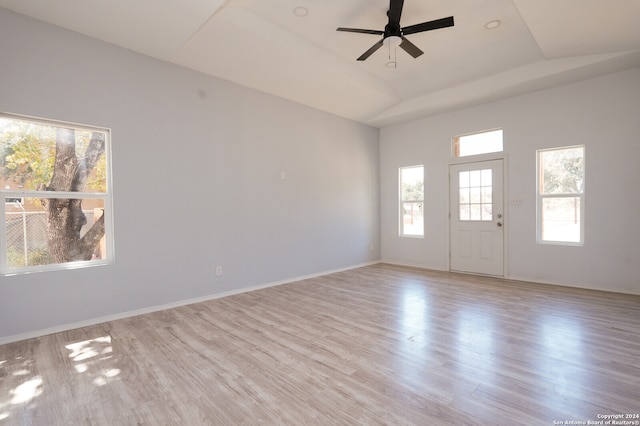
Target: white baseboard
150	309
414	265
523	279
570	285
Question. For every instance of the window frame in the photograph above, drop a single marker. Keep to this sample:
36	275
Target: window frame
455	143
401	226
540	197
106	197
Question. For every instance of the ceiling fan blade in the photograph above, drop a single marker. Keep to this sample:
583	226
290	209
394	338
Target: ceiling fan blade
410	48
358	30
369	52
395	12
428	26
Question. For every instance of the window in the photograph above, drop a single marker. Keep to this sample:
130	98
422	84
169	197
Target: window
478	143
561	195
412	201
476	195
55	195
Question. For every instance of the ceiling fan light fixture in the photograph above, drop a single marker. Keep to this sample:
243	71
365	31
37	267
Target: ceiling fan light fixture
493	24
392	41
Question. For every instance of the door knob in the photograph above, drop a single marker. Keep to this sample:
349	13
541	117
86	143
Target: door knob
499	215
499	224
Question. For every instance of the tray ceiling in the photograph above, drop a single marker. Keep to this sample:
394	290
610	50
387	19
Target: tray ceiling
264	45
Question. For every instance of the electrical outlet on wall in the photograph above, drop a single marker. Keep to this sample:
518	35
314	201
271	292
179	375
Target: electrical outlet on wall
218	271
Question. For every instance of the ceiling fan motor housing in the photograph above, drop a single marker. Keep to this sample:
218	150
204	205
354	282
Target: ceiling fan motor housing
392	30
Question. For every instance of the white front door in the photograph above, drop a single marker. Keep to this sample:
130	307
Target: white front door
476	217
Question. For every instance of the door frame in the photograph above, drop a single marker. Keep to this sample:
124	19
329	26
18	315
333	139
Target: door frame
505	201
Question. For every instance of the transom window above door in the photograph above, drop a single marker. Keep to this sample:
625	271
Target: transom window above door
477	143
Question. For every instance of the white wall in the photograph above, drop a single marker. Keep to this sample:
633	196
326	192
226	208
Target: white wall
196	172
601	113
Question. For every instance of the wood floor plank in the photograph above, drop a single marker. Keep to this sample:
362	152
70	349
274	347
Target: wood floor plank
375	345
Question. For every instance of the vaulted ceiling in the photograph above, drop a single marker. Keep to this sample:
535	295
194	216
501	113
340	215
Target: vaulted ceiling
266	45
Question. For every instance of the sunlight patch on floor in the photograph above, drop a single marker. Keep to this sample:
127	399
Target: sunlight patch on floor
86	349
27	390
90	354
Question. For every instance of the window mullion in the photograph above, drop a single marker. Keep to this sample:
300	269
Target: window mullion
52	194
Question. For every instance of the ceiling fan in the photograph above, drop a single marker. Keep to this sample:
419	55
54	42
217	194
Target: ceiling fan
394	35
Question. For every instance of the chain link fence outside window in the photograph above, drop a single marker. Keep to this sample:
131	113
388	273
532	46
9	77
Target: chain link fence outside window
27	238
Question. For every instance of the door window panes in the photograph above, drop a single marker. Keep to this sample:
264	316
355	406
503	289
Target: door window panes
475	195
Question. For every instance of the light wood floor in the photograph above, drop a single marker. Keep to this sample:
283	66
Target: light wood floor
374	345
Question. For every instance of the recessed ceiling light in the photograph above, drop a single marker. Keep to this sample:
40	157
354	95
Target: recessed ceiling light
493	24
300	11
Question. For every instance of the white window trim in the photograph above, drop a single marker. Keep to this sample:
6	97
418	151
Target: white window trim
540	197
107	198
